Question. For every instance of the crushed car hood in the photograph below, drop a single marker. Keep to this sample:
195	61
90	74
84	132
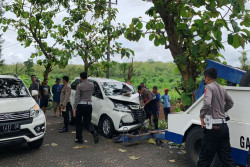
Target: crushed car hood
8	105
134	98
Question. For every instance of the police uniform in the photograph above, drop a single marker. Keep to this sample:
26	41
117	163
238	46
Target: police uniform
216	140
83	107
65	102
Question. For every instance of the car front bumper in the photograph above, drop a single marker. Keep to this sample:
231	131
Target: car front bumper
28	131
129	128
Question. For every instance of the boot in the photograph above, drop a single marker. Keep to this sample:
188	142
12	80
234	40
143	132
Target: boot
63	130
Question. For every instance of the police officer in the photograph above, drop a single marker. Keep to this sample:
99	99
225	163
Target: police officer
83	108
65	103
216	138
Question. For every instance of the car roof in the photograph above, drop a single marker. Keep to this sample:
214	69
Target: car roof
8	77
100	79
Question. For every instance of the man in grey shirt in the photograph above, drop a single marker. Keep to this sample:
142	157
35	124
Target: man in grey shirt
34	86
215	140
83	108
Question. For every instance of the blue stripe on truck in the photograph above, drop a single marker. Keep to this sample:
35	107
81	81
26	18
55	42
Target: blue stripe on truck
174	137
239	156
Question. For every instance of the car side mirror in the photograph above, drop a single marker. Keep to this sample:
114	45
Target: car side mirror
34	92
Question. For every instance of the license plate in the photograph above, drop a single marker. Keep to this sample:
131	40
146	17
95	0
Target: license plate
9	128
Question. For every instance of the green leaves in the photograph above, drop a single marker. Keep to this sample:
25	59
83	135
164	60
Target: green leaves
235	26
186	99
236	40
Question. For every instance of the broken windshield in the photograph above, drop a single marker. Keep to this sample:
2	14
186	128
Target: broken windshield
12	88
116	88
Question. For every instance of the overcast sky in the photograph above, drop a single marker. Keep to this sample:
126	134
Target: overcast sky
13	52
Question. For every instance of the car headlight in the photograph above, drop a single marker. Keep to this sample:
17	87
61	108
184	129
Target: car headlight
121	107
35	111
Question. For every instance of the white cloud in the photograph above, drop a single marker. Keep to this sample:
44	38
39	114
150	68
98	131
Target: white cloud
144	49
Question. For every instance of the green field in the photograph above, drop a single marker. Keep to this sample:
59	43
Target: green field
163	75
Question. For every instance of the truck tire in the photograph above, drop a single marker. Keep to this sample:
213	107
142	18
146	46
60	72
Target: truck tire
107	127
245	81
193	147
36	144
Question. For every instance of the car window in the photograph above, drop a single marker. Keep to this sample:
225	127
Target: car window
116	88
12	88
97	90
75	83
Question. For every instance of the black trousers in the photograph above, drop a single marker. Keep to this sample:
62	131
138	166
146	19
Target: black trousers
216	141
84	112
166	110
65	115
151	110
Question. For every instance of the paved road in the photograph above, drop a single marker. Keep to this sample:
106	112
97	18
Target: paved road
105	153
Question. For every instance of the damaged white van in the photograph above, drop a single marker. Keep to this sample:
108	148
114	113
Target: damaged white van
116	106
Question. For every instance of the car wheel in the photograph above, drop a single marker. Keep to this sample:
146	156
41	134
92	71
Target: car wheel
193	147
36	144
107	127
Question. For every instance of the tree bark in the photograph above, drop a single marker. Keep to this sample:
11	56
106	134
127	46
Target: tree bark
175	45
48	69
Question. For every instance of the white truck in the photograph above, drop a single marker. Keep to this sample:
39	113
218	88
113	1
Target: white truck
185	127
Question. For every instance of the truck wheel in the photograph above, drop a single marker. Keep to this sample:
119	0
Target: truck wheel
36	144
245	81
107	127
193	147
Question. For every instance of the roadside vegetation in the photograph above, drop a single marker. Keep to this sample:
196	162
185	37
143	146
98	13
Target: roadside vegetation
162	75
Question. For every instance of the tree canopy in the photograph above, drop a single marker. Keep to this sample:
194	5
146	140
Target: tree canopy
192	30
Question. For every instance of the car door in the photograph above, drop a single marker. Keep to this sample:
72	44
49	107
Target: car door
97	99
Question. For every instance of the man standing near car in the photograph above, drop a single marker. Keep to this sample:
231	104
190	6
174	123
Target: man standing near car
150	106
166	100
65	103
83	108
44	93
34	86
56	90
216	135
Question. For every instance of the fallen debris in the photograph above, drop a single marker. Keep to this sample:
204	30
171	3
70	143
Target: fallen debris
121	150
79	147
134	157
172	161
54	144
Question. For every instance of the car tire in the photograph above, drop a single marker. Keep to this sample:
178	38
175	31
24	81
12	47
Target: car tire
36	144
193	147
107	127
245	81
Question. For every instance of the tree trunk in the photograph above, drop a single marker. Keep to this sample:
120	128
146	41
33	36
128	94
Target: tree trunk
130	71
185	66
48	69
